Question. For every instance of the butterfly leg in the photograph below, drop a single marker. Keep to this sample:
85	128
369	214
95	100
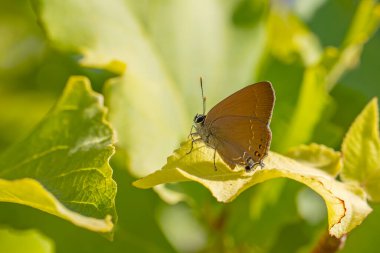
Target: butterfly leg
192	139
191	132
215	168
192	144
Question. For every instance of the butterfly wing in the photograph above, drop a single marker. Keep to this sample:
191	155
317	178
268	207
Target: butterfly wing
239	124
240	138
255	100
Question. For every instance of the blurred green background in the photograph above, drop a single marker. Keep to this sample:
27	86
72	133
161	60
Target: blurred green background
293	44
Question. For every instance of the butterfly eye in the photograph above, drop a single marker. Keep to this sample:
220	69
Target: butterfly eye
199	118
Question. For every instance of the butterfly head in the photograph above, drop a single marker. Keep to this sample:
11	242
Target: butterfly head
199	119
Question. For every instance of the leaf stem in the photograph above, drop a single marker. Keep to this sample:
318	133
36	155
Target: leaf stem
329	244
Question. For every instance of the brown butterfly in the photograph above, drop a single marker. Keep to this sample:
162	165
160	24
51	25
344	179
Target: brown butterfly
238	126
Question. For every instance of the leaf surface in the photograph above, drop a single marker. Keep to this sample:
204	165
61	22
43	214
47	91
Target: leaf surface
361	150
318	156
346	210
62	166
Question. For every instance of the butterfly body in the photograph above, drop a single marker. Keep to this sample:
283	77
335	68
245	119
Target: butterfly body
204	131
238	127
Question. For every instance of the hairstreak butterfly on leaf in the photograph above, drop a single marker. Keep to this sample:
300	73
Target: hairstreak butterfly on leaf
238	126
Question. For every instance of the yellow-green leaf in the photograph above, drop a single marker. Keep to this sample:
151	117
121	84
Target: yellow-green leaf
318	156
345	209
361	150
62	167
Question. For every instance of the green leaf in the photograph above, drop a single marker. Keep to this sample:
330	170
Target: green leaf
137	230
14	241
318	156
346	210
143	103
62	166
361	150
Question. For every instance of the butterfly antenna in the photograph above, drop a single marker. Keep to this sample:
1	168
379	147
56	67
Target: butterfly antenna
203	98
